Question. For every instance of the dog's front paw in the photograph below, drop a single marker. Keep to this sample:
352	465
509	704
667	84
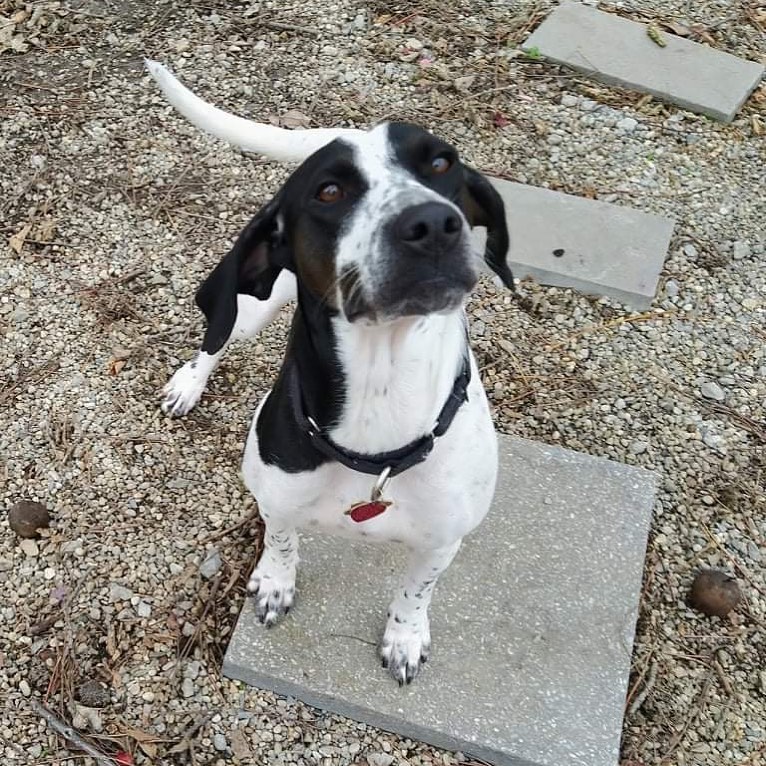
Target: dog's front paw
273	593
183	390
405	647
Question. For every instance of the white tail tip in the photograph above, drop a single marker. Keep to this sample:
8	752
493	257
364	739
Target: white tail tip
268	140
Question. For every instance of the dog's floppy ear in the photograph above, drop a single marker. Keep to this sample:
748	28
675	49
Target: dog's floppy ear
483	206
249	268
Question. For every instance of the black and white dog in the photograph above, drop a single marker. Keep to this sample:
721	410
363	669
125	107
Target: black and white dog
378	425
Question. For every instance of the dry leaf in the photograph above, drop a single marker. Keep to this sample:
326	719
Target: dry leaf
464	83
144	739
499	120
294	119
111	642
18	44
17	240
656	36
10	41
118	352
239	745
643	101
44	231
757	125
115	366
702	34
182	746
677	29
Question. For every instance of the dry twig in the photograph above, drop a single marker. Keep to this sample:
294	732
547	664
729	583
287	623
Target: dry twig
696	710
70	734
186	742
644	693
253	516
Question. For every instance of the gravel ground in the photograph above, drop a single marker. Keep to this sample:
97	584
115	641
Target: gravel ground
112	208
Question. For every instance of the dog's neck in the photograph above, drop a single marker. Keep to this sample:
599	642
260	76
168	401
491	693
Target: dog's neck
398	377
376	387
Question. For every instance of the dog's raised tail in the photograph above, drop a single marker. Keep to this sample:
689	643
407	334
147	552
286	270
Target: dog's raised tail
268	140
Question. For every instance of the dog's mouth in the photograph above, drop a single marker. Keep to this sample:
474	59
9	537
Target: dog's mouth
437	295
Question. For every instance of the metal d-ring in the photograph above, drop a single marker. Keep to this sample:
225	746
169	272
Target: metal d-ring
380	484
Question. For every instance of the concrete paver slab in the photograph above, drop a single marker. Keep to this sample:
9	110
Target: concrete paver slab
532	625
594	247
619	52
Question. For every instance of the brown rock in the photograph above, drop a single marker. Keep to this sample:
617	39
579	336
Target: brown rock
93	694
714	593
26	518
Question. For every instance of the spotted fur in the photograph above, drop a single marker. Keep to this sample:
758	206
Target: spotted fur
378	337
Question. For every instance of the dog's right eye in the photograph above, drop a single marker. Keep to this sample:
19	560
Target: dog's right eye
330	193
441	164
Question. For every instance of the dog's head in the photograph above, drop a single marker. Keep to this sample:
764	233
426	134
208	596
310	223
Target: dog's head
375	226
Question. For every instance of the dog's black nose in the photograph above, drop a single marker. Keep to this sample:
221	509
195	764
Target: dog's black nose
428	226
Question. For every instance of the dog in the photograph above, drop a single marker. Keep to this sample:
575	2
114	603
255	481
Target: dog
377	427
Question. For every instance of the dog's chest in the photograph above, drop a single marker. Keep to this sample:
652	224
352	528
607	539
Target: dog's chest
432	504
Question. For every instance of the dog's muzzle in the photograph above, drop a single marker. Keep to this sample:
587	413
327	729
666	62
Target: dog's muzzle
427	266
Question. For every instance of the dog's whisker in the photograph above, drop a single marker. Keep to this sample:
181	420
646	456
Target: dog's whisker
353	276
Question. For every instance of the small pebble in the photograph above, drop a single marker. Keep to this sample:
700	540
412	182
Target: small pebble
711	390
628	124
119	592
714	441
211	565
740	250
690	251
30	548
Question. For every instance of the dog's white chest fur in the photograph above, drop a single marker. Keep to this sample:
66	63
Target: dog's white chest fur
372	234
434	504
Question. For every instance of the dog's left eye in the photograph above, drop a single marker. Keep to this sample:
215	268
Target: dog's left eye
441	164
330	193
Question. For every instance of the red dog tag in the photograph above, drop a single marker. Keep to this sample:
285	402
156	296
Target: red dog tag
367	510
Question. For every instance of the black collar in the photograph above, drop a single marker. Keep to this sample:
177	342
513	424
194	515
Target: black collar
398	460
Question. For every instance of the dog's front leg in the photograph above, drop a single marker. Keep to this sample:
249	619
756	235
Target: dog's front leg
272	583
407	639
184	389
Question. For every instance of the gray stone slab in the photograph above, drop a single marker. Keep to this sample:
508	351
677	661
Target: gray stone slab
532	625
619	52
595	247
